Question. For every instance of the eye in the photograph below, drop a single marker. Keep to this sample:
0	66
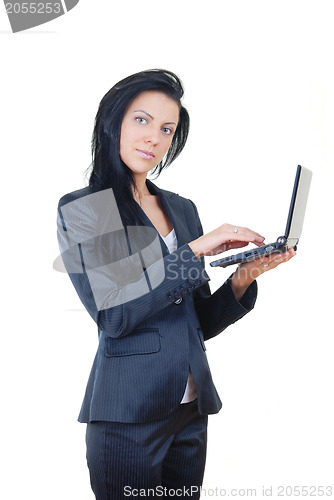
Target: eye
140	119
167	131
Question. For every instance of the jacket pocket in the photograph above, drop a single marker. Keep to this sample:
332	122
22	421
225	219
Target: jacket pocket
140	341
201	338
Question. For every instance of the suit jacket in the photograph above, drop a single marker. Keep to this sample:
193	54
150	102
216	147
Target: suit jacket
152	322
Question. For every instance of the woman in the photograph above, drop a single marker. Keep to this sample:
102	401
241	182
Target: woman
135	256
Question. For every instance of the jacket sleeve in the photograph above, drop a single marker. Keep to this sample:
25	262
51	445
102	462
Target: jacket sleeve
121	280
219	310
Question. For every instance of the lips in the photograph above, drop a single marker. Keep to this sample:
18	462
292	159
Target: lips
147	155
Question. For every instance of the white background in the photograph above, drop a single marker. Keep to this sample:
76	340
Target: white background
259	86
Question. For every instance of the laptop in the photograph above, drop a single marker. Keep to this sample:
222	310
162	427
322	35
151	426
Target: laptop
293	228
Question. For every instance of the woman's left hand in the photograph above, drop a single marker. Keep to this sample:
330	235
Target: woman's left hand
250	271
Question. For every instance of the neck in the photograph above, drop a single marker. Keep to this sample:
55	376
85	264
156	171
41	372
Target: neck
141	188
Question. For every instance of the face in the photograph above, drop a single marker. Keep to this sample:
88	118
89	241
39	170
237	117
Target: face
147	131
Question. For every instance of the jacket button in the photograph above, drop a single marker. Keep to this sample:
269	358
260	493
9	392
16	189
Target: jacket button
178	301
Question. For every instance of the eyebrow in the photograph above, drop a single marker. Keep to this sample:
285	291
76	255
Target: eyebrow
145	112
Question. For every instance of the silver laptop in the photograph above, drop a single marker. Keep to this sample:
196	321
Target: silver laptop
293	228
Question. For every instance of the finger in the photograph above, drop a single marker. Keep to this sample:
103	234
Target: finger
274	260
235	244
248	238
230	245
256	240
264	264
245	233
284	256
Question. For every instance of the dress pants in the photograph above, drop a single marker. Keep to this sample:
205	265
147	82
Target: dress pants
153	459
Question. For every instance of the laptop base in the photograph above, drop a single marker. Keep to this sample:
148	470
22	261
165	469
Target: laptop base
280	246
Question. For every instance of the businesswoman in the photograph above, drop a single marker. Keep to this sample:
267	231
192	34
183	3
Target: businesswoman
134	253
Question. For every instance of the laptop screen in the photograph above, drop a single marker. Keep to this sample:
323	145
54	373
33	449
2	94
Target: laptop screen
298	203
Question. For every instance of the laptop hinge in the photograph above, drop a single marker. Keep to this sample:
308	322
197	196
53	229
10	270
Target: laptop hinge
289	242
281	240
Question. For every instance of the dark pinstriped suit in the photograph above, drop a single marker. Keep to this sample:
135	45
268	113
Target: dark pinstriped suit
147	345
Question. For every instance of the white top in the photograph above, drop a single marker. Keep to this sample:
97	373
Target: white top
190	392
170	240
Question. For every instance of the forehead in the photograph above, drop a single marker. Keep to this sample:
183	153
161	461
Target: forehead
157	104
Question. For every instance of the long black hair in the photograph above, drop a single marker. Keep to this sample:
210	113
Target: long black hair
108	170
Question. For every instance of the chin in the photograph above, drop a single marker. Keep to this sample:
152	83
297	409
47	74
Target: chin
141	167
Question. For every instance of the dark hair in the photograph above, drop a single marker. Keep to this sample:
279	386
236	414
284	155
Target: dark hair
108	170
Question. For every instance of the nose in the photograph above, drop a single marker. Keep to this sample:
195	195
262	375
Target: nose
152	136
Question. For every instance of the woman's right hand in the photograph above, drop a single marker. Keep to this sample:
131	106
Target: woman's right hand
224	238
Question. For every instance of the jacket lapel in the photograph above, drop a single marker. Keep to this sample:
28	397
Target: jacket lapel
173	205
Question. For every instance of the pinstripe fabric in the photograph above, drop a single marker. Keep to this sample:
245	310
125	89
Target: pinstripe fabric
163	456
147	345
